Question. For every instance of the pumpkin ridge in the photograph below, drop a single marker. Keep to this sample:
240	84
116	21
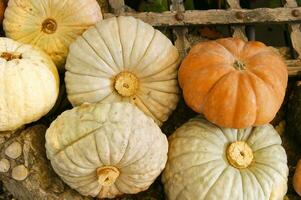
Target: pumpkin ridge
256	178
97	149
209	91
146	50
158	102
236	99
109	50
91	66
113	68
270	167
162	71
254	92
197	179
127	144
134	42
167	179
73	161
145	85
218	177
122	48
230	53
147	107
271	88
213	89
66	146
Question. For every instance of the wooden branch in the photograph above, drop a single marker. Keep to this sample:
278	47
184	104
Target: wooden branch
238	31
25	171
213	17
180	33
295	29
294	67
117	6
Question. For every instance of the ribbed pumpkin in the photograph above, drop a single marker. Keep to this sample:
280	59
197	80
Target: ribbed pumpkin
105	150
29	84
50	24
124	59
234	83
206	162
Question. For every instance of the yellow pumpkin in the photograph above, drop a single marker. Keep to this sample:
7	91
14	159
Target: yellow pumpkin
50	24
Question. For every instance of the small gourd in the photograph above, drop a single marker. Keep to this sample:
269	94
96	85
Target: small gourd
105	150
235	84
208	162
297	178
50	25
122	59
29	84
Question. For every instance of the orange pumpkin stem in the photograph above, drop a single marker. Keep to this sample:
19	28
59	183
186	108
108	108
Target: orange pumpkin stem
239	65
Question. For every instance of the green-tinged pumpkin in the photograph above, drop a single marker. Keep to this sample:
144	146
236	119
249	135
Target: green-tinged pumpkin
207	162
105	150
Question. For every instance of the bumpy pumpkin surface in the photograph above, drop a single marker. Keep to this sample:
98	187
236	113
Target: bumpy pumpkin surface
29	84
124	59
105	150
206	162
234	83
51	25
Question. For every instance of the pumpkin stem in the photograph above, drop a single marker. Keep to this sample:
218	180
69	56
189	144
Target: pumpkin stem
10	56
107	175
238	65
126	84
239	154
49	26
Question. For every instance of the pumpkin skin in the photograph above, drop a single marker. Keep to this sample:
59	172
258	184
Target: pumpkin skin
201	164
50	25
117	140
297	178
235	84
124	60
29	84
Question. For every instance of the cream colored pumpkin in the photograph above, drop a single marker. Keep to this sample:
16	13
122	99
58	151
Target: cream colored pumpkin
124	59
206	162
50	24
105	150
29	84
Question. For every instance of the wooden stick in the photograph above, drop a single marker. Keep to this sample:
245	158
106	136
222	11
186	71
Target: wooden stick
214	17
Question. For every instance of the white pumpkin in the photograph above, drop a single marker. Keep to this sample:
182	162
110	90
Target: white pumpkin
124	59
50	24
29	84
206	162
105	150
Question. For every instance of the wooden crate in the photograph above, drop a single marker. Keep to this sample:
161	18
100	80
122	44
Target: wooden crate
179	19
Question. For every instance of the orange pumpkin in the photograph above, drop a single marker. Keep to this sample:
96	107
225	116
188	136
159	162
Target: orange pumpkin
234	83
